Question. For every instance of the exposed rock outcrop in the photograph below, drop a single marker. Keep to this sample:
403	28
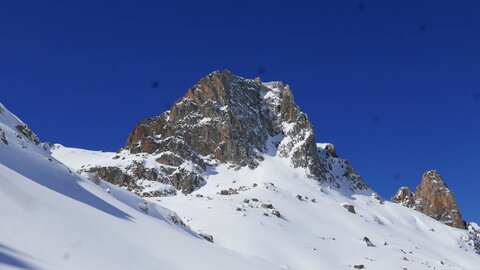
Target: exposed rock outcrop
433	198
339	171
15	132
27	132
405	197
226	119
472	239
350	208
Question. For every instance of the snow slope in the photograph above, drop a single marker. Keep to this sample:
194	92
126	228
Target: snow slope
314	230
51	218
274	218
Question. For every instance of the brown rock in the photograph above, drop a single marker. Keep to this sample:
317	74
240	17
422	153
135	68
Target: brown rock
434	199
350	208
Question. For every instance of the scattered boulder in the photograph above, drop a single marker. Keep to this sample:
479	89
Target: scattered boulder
379	198
359	266
276	213
267	206
350	208
229	191
143	206
3	137
368	242
207	237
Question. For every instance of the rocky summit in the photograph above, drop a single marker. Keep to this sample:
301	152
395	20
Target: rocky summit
433	198
225	119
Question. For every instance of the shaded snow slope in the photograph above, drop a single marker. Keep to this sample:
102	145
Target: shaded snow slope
52	218
279	214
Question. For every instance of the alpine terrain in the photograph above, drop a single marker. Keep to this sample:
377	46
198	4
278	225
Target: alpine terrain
231	177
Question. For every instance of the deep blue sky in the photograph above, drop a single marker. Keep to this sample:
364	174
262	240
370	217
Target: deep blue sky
395	85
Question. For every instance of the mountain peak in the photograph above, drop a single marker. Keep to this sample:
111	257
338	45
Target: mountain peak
227	119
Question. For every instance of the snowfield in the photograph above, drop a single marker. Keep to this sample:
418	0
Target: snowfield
314	230
271	217
51	218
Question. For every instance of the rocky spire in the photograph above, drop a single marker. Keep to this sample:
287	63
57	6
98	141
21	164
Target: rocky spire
433	198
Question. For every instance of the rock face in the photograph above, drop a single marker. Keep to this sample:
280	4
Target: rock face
226	119
339	171
472	239
405	197
433	198
20	133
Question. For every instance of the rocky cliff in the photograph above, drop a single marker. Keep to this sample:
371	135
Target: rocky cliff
433	198
224	119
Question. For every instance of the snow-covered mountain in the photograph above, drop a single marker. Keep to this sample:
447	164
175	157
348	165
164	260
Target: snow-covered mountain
52	218
239	162
222	120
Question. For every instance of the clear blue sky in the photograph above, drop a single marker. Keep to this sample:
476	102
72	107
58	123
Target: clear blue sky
395	85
